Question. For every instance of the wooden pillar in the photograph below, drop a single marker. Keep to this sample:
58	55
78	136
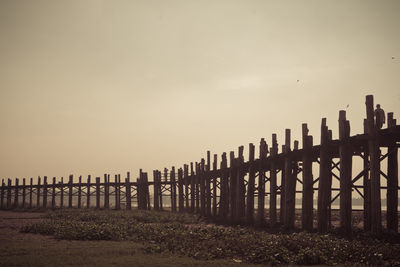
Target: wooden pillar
156	197
186	182
70	192
62	192
9	194
366	184
16	193
197	187
207	180
45	192
117	206
392	181
325	180
308	181
106	191
202	188
273	182
290	186
192	189
80	192
38	193
173	190
2	194
224	199
97	192
250	187
232	187
345	153
180	191
88	193
128	192
30	193
23	193
53	194
261	184
374	167
240	187
214	181
160	191
282	191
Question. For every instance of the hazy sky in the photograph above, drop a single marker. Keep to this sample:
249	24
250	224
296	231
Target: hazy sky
88	87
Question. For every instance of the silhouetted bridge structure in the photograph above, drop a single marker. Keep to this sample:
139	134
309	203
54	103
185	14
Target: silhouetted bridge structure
229	192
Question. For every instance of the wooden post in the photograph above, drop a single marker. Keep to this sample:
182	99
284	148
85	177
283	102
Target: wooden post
30	193
192	189
308	182
232	187
345	153
202	189
9	193
173	190
240	187
366	185
62	192
392	181
88	193
197	187
106	191
180	190
325	180
128	192
80	192
186	181
70	192
53	194
2	194
374	167
273	183
16	193
214	180
160	190
97	192
23	193
224	199
207	180
250	187
156	197
282	200
290	186
38	193
45	192
261	184
117	192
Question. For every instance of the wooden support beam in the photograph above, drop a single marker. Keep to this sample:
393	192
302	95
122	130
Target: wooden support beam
45	192
392	182
261	185
345	153
186	183
250	188
232	187
38	193
366	185
192	189
80	192
156	191
116	191
308	192
70	191
9	194
88	192
374	163
202	188
273	182
62	193
30	193
128	191
53	193
214	181
2	194
106	191
290	186
97	192
197	190
16	193
207	180
181	200
325	181
224	199
240	187
23	193
173	190
282	191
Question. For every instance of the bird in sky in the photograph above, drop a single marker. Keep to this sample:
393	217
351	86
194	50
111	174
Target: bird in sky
392	57
347	105
298	80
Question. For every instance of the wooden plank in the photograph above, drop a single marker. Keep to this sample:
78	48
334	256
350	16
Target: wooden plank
45	192
240	187
173	189
156	198
261	185
70	192
197	188
214	182
160	191
366	185
23	193
224	200
374	164
345	153
282	200
273	182
62	193
290	186
30	193
308	192
2	194
232	187
80	192
192	189
9	194
186	183
106	191
202	189
207	180
392	181
250	188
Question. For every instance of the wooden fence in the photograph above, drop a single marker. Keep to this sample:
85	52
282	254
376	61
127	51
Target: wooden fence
229	193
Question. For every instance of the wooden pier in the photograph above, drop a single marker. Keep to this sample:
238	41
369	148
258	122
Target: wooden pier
236	194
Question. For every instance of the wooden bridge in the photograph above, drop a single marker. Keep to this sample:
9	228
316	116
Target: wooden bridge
228	192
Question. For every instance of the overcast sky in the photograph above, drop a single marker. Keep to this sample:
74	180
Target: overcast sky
88	87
